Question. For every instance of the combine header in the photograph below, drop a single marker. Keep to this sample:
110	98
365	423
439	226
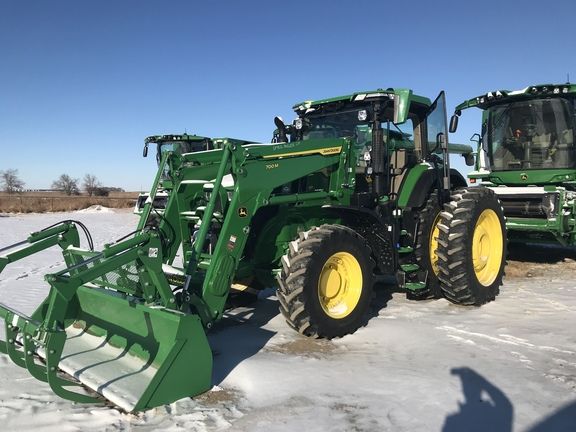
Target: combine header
361	190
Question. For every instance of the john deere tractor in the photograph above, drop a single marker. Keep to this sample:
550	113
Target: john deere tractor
184	143
357	189
526	155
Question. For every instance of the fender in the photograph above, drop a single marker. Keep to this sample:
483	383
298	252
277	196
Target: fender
375	229
420	181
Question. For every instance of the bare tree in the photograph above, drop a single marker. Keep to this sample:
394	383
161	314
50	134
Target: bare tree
10	181
90	184
66	184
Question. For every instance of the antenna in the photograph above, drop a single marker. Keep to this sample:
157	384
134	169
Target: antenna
568	78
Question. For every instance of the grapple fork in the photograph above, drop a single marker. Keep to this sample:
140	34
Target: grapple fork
95	329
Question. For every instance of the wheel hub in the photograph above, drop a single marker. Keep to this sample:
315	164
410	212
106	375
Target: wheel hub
340	285
433	245
487	245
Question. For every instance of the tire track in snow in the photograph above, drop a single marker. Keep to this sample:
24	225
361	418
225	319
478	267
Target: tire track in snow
505	339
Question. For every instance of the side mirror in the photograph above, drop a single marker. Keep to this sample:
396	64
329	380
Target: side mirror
453	123
145	151
279	122
475	138
440	141
479	143
469	159
281	129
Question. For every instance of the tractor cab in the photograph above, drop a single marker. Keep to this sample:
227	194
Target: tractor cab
391	130
179	145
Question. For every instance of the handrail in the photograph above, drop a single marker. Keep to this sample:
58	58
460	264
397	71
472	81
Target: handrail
207	216
153	191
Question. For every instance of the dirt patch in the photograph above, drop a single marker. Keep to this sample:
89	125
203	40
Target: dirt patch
532	260
220	396
524	269
306	347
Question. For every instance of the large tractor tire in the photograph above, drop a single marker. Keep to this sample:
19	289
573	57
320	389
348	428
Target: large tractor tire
426	245
472	246
326	282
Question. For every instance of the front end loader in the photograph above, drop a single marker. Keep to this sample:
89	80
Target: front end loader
357	189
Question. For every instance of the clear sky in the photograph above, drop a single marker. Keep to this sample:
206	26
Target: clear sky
83	82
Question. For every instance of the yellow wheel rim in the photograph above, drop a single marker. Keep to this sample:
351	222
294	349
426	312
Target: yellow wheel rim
340	285
487	247
433	244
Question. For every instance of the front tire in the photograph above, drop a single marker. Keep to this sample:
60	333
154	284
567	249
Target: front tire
325	287
472	246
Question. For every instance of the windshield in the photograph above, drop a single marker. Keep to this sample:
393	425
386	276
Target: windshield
342	124
346	124
535	134
181	147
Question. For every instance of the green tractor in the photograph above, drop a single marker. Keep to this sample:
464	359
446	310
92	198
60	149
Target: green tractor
357	189
184	143
526	155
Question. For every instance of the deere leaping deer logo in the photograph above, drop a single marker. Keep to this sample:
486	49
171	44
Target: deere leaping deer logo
242	212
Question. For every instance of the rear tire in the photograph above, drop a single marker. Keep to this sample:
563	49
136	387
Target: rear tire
325	287
472	246
426	245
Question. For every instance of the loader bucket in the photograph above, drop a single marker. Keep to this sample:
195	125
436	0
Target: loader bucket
134	355
97	328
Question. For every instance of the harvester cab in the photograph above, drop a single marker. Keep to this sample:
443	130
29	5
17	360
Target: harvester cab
355	190
526	153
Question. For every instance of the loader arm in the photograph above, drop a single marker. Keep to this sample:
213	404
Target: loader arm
257	172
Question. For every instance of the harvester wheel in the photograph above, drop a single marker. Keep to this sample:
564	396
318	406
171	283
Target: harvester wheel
426	245
326	282
472	246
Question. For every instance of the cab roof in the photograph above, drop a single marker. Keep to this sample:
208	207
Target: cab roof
403	93
496	97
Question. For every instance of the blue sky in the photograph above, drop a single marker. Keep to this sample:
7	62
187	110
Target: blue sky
83	82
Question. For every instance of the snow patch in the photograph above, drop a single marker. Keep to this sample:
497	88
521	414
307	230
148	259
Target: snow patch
95	209
416	366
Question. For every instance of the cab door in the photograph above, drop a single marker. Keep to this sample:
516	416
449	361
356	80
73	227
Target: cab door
437	138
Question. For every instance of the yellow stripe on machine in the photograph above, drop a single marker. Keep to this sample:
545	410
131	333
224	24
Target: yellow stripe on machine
326	151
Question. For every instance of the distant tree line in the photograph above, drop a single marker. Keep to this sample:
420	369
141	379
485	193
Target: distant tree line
11	183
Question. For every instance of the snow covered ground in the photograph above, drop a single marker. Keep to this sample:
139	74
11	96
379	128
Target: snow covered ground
417	366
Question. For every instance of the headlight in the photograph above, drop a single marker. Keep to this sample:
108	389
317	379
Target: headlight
298	124
362	115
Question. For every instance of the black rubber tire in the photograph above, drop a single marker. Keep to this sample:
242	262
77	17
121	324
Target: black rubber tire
458	279
426	218
298	282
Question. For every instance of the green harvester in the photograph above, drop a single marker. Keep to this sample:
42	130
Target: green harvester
356	189
526	155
